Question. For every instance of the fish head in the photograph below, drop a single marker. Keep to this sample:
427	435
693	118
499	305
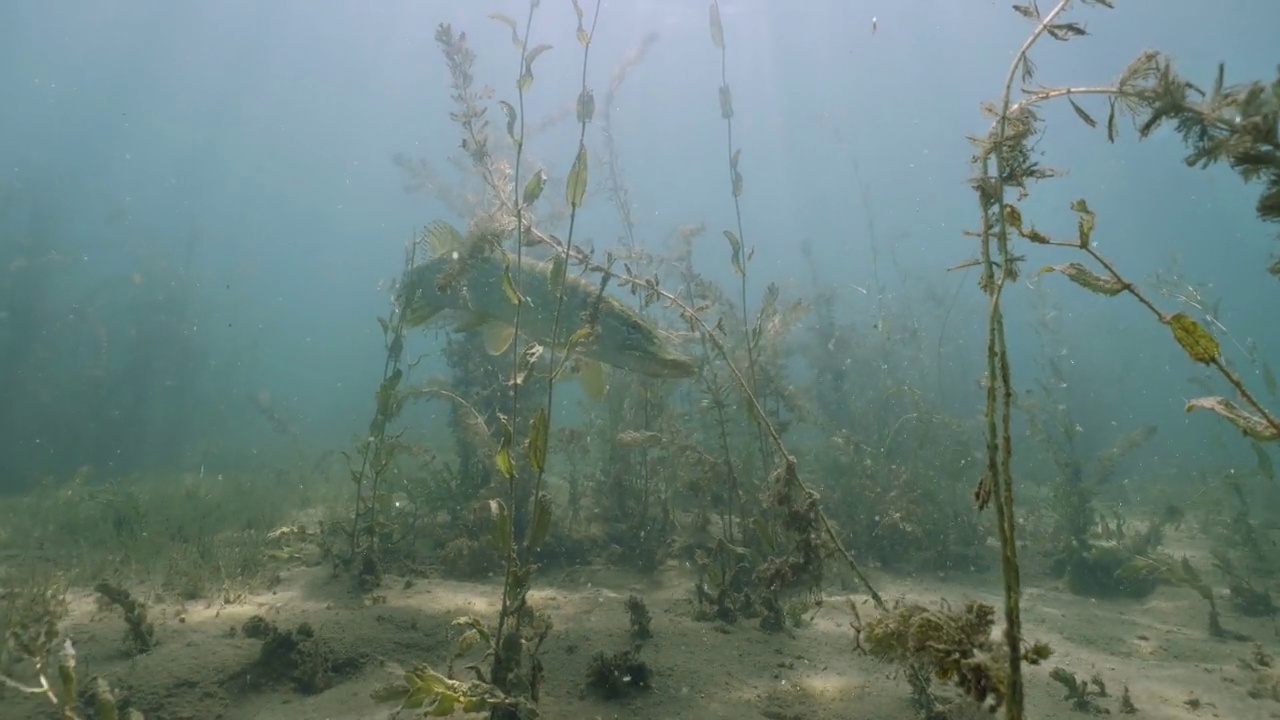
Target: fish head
625	340
421	293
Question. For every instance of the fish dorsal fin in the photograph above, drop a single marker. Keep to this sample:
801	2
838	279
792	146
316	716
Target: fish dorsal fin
444	239
472	321
497	337
591	378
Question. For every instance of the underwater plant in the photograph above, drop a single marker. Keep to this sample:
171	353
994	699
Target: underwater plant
141	636
1238	125
740	255
377	453
522	515
32	632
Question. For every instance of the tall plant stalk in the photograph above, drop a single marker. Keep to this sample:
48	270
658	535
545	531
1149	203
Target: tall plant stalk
997	484
741	256
1152	92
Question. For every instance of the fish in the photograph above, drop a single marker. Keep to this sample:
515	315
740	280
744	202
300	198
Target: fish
479	287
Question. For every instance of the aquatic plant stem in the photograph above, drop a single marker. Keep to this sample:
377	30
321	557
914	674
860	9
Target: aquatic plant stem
376	444
999	398
1216	362
737	213
500	666
568	250
791	474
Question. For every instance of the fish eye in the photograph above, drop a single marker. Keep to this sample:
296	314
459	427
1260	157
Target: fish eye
632	329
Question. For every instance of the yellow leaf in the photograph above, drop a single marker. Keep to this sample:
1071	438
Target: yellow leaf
583	334
1087	279
1013	216
1084	228
1248	423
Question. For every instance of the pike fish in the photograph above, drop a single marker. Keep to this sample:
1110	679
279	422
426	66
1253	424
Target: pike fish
477	288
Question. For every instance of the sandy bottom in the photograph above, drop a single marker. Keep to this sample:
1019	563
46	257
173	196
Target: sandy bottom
203	666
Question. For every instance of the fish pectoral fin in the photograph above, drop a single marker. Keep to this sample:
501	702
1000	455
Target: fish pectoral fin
472	320
497	337
591	378
421	315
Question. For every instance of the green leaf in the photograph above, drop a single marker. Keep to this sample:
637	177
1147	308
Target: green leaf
533	55
443	707
511	23
766	534
509	110
1080	113
737	183
518	585
505	465
540	525
717	30
1199	344
555	278
509	285
1111	120
726	102
534	186
538	441
501	524
390	692
735	257
586	106
1065	31
576	185
1264	461
526	76
1248	423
